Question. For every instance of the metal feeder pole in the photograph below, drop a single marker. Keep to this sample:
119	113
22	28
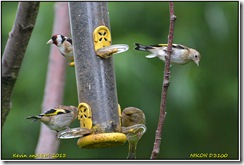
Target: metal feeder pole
95	76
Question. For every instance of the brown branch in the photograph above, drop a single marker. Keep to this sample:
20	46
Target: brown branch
15	49
165	86
54	89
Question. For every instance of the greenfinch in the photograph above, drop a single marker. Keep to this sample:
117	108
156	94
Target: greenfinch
133	126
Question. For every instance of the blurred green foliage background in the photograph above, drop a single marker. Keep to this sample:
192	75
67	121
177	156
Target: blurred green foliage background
202	104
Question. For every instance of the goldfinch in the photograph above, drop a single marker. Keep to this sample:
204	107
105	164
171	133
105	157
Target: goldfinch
58	118
133	126
180	53
64	45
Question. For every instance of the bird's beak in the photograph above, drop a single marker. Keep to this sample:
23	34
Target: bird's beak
197	62
50	41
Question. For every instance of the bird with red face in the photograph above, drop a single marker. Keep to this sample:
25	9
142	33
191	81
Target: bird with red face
64	45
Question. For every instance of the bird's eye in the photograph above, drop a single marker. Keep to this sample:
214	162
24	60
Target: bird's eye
195	56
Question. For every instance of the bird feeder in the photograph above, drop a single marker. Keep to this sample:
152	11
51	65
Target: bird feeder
98	108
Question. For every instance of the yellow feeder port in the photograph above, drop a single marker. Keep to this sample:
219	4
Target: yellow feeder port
102	37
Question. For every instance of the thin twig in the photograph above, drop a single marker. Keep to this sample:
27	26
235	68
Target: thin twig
165	86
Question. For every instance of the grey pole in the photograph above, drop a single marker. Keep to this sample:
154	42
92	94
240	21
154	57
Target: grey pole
95	76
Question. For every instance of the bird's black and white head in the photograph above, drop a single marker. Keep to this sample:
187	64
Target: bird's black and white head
57	39
64	45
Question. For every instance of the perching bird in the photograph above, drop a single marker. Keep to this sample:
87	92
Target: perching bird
58	118
131	116
133	125
64	45
180	53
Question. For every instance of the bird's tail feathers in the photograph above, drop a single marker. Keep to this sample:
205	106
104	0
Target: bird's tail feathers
142	47
34	118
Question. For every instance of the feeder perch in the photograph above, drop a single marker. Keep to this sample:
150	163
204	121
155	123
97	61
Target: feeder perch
102	41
